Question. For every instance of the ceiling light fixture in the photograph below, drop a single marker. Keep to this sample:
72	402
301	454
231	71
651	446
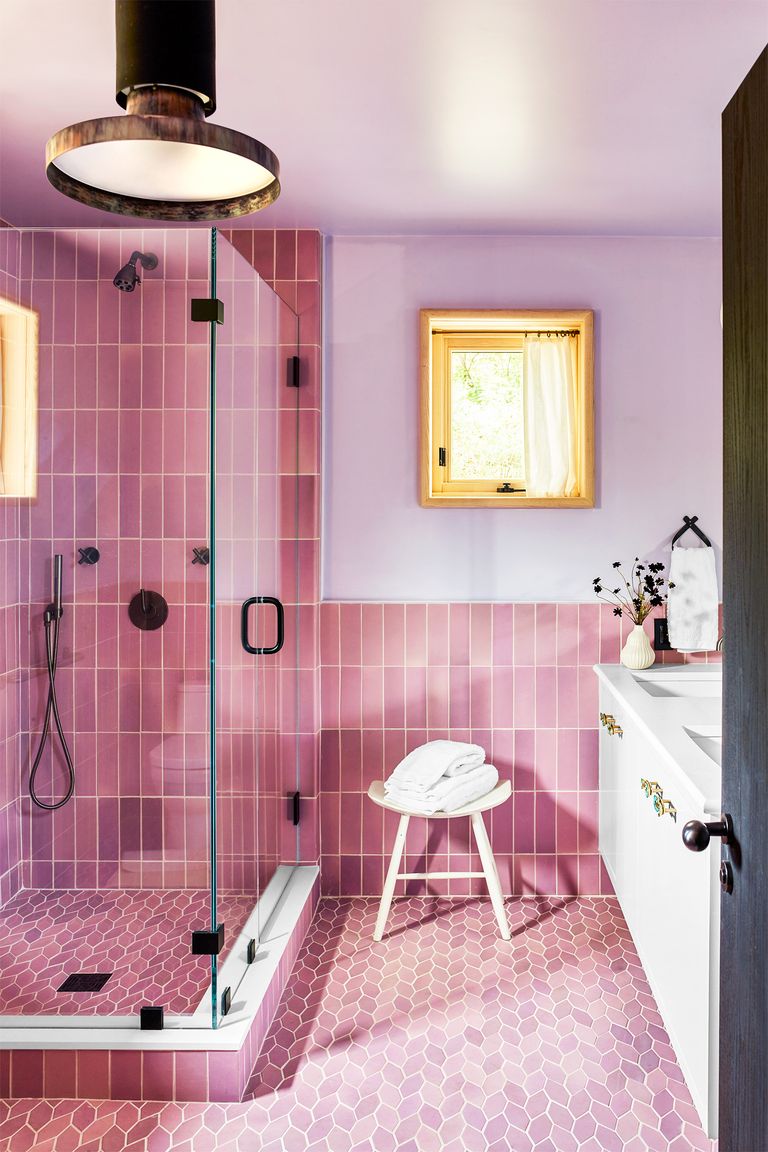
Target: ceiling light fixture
163	160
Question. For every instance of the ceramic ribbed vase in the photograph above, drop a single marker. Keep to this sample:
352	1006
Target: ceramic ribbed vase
637	652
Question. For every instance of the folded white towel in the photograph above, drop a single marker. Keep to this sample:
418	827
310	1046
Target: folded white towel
424	766
448	794
692	605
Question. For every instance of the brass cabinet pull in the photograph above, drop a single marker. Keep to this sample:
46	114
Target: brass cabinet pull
661	807
664	807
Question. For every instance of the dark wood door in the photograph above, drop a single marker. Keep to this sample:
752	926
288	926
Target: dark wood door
744	931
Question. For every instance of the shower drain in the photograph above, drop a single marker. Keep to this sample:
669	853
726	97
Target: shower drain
85	982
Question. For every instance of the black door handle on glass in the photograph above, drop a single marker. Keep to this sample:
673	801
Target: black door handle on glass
696	835
280	625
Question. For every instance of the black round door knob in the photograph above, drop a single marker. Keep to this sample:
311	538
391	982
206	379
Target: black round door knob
697	835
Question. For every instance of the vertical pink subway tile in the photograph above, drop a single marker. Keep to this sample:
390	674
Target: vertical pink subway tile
373	696
350	624
481	686
524	711
459	703
394	697
191	1071
525	634
546	633
372	634
223	1077
459	634
415	635
589	634
567	634
480	624
26	1073
567	760
568	696
567	823
438	647
438	697
524	809
503	634
588	698
546	698
330	652
588	822
546	875
416	698
546	760
524	759
350	698
610	636
285	254
308	254
588	759
92	1075
394	634
589	875
503	696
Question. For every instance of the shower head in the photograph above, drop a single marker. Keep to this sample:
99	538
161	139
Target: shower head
127	278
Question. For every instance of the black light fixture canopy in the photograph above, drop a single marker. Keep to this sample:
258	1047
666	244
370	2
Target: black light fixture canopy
163	160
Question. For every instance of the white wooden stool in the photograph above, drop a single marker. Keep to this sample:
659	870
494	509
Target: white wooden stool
500	793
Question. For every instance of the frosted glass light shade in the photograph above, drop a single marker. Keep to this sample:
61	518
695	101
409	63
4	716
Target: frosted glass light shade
164	170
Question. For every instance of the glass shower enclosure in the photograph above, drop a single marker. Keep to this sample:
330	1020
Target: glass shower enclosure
167	484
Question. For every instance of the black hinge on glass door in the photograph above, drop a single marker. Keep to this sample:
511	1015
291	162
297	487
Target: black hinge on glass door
441	457
294	371
255	651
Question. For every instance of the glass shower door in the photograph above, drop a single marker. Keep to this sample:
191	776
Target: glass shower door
254	431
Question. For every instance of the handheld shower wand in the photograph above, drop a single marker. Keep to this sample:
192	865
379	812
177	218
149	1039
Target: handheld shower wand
56	605
51	622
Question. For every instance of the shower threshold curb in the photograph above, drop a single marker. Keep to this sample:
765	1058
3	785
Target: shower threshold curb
295	885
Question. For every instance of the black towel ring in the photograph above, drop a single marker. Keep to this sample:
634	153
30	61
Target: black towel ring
690	522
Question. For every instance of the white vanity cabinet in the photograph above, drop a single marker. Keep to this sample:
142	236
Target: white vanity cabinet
669	895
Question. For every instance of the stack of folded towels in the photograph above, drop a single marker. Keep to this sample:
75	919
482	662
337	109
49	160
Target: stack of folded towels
441	776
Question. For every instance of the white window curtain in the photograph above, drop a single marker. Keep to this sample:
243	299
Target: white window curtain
549	391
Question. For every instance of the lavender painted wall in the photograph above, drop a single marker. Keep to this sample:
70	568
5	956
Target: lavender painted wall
658	414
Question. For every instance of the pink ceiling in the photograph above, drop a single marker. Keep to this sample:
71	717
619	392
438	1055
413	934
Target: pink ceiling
561	116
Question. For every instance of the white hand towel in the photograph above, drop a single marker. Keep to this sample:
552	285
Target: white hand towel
448	794
692	604
424	766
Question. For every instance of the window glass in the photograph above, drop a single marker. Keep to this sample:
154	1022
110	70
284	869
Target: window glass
486	421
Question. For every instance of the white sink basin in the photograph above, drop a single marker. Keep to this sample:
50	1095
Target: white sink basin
710	740
677	684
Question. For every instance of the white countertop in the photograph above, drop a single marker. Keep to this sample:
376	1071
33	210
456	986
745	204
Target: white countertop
664	720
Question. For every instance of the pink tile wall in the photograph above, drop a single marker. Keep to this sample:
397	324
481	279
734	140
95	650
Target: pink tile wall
123	466
10	676
123	461
515	678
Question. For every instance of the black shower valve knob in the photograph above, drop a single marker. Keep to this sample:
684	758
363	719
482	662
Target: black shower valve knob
89	555
148	610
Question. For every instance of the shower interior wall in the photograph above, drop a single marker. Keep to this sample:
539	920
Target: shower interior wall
123	465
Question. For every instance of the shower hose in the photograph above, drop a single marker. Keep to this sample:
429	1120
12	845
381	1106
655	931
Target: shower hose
51	624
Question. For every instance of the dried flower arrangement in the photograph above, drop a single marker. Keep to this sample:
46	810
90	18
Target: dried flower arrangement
644	590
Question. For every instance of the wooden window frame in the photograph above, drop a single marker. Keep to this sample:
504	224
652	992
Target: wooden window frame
438	327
